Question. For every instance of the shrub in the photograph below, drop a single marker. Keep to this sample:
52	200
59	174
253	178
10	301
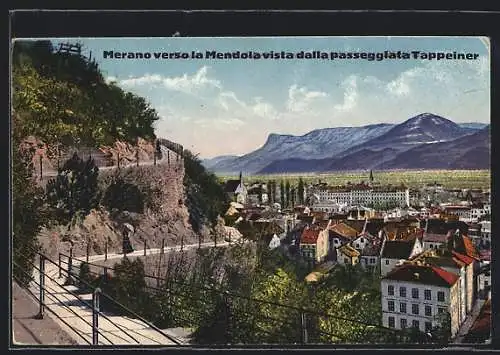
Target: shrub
74	192
123	196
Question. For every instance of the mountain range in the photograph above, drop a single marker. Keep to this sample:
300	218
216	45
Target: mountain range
426	141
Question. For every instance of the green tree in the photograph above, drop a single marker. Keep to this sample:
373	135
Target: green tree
273	191
74	192
278	324
282	194
206	199
270	192
287	193
300	191
215	326
441	333
123	196
28	212
352	317
129	285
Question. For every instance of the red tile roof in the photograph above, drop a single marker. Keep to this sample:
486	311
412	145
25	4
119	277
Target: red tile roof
470	249
463	258
310	236
321	224
344	230
424	274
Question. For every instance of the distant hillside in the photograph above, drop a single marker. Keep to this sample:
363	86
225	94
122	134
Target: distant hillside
209	163
421	129
318	144
385	151
473	125
468	152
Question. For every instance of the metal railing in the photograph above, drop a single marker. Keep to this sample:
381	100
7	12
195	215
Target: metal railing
304	317
97	313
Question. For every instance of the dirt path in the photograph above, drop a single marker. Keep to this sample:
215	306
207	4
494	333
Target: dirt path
29	331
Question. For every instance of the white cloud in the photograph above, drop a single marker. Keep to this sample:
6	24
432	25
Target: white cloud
224	124
350	95
401	86
299	99
186	83
228	100
264	109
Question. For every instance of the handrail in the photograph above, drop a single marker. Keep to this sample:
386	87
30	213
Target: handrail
85	303
308	311
48	308
152	326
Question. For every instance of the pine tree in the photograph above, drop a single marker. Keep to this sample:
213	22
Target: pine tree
282	194
270	192
300	191
273	193
287	192
74	192
28	213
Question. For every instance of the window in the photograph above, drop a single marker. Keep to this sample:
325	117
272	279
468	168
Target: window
414	292
390	306
414	308
372	260
485	282
346	261
403	323
428	311
441	310
427	295
415	324
390	290
391	322
440	296
428	326
402	292
402	307
387	262
362	240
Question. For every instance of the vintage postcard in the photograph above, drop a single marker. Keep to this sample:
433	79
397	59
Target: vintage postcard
283	191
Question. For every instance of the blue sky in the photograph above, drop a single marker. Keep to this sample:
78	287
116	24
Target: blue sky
219	107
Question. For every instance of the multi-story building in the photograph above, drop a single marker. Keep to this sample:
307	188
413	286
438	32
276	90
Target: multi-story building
395	252
458	264
485	240
416	295
364	194
314	244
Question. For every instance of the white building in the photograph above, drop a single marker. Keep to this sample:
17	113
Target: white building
328	206
435	241
485	234
365	195
274	242
415	296
395	252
